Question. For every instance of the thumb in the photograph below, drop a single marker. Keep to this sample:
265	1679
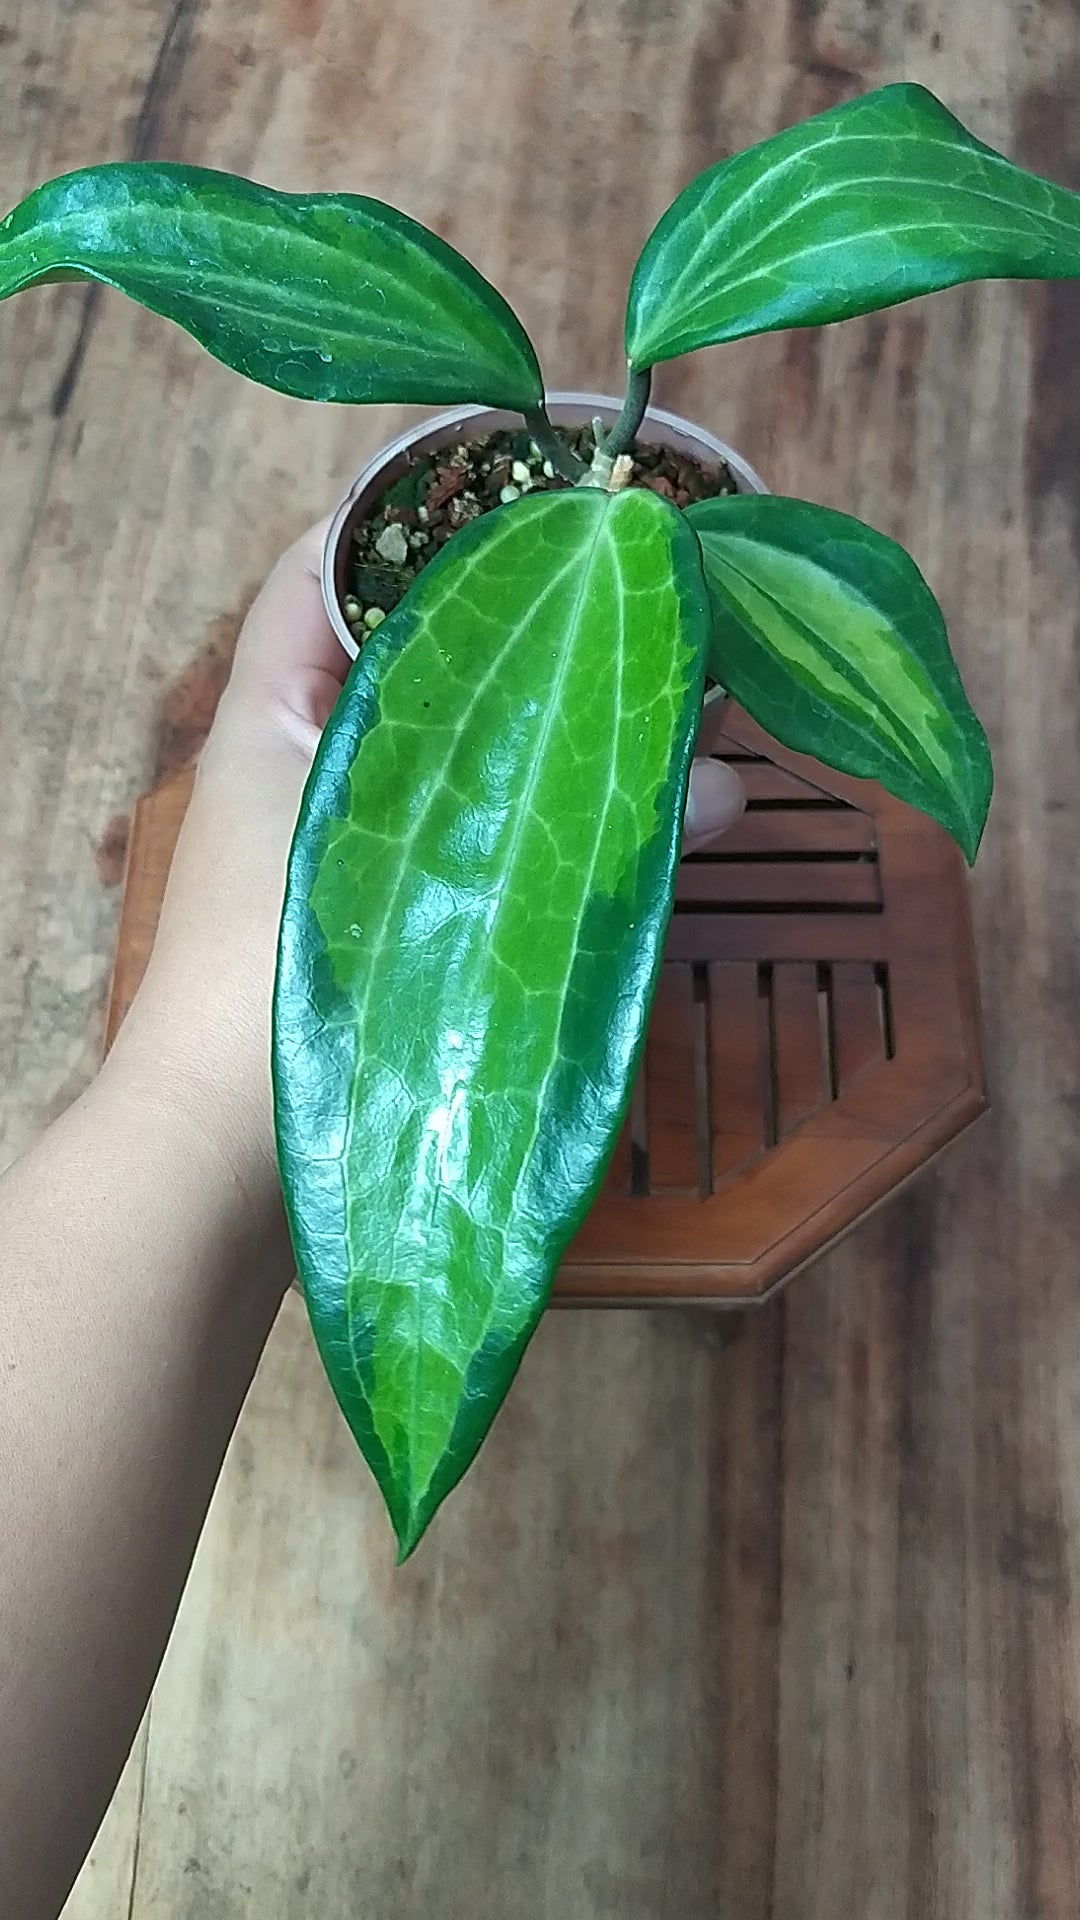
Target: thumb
289	662
715	801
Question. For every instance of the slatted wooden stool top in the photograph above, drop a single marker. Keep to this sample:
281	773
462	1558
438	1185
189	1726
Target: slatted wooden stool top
814	1039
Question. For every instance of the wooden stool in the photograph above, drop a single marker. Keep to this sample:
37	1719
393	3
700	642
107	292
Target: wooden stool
814	1041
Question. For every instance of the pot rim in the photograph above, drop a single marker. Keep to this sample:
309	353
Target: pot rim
446	424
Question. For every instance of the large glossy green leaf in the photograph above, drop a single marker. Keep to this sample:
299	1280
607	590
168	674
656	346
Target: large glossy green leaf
476	903
865	205
827	633
327	296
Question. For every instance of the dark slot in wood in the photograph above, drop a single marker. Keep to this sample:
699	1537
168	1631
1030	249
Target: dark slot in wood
699	975
770	1093
781	856
670	1079
737	1112
860	1038
796	804
885	1010
798	1066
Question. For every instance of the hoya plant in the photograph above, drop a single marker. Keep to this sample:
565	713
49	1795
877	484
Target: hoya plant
483	869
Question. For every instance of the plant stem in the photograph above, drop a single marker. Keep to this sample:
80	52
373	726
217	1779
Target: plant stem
624	432
562	457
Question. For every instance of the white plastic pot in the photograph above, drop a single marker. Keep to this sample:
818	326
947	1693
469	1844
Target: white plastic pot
449	429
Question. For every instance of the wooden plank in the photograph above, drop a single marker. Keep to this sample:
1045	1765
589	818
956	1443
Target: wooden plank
768	785
739	1067
806	935
670	1082
791	832
799	1064
858	1020
725	746
736	886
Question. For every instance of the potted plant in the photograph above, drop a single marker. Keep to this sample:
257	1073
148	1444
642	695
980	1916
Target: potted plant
482	872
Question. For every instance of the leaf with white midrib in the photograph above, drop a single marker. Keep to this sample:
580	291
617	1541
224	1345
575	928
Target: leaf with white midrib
475	913
326	296
869	203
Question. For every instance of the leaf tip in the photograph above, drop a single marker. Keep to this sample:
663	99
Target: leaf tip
978	811
967	839
410	1509
964	819
410	1525
969	832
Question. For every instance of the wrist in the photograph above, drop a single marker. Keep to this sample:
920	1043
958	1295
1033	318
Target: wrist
190	1094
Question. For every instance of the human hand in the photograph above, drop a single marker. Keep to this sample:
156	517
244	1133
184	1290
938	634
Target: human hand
200	1026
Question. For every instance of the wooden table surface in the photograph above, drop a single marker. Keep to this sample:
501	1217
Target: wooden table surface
766	1617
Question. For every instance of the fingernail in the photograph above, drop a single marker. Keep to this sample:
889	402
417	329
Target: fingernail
716	799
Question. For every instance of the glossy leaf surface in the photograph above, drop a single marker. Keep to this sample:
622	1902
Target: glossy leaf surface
827	633
865	205
325	296
476	905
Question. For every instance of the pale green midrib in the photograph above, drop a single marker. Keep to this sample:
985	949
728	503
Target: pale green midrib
417	1499
471	298
484	552
437	786
800	254
899	181
297	312
690	334
602	531
588	563
800	152
983	156
843	664
598	841
367	328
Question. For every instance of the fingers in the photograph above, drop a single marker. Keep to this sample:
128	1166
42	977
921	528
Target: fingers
288	629
715	801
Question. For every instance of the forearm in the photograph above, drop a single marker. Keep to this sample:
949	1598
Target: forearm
138	1282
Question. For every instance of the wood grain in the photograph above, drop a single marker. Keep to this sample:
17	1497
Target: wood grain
776	1620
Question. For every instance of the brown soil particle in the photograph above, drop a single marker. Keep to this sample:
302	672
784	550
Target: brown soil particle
440	492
